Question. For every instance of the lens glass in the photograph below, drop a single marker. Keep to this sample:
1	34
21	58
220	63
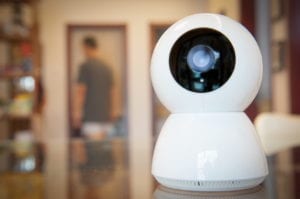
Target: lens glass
202	60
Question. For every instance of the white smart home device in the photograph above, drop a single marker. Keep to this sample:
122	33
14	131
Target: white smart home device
206	69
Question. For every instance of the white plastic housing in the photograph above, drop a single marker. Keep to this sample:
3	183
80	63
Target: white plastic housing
209	152
235	95
208	143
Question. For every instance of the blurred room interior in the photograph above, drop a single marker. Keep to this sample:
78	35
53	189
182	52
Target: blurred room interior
48	150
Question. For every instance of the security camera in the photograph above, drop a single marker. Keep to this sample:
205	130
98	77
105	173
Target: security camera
206	69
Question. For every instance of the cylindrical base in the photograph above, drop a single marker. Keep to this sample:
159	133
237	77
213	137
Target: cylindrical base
209	152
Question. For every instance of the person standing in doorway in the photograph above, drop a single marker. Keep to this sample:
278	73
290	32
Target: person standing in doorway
93	92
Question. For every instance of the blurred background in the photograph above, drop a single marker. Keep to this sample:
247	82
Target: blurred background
63	62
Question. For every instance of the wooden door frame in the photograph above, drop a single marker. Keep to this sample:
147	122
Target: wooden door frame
123	27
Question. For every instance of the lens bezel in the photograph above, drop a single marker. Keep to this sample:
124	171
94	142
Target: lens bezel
202	81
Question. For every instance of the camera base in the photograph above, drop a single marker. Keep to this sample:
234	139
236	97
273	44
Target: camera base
209	152
230	185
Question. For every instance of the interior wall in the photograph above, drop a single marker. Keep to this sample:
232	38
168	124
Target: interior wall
231	8
54	16
281	84
280	80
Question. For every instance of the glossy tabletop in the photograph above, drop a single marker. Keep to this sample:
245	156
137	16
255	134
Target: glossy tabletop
100	169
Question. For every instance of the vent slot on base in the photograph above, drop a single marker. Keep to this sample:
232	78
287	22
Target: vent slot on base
228	185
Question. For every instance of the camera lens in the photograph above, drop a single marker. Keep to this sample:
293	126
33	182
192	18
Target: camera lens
202	60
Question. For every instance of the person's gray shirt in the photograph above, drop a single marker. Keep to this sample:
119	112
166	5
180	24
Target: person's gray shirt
97	77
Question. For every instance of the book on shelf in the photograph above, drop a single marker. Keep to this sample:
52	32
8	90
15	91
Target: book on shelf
20	107
20	59
3	54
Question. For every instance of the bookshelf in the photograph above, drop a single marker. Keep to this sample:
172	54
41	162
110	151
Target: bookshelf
20	66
